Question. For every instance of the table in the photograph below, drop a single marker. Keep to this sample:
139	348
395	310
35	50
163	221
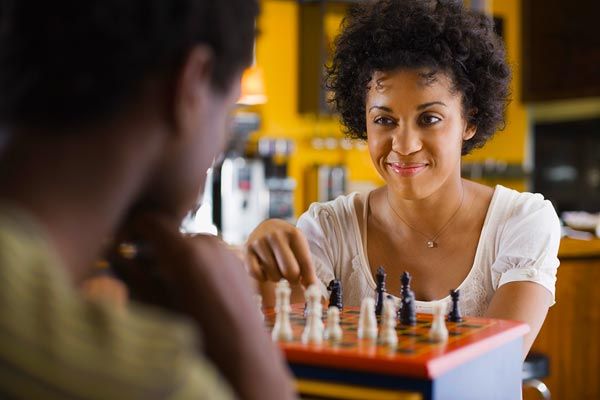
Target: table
482	359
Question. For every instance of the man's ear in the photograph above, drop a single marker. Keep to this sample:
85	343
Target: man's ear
192	86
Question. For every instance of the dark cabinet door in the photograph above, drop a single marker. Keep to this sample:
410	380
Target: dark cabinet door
567	164
561	49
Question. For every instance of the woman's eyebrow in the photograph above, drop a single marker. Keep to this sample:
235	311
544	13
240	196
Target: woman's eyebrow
383	108
425	105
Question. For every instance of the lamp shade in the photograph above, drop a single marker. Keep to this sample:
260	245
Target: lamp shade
253	87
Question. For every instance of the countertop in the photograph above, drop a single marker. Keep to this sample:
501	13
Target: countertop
573	248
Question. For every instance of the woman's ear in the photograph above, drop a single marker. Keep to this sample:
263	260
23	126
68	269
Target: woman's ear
469	132
470	128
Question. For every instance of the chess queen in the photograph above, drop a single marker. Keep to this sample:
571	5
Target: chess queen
423	83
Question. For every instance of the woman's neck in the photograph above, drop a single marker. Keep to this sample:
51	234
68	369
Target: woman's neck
427	216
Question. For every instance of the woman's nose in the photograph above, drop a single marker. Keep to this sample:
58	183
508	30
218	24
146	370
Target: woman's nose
406	140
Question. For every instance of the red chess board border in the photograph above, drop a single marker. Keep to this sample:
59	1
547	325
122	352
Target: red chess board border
415	355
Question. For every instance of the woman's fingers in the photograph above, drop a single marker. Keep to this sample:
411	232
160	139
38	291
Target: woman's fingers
285	257
300	248
277	249
266	259
254	267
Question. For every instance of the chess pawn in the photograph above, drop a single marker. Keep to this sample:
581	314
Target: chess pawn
380	290
408	313
367	321
405	283
283	327
259	305
388	334
333	331
335	299
438	331
313	330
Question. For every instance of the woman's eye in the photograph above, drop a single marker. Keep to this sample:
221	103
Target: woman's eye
386	121
429	119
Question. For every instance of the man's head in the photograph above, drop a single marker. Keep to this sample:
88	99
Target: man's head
66	66
67	62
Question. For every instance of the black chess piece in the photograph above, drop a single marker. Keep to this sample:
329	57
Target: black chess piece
335	299
408	309
405	282
380	290
404	291
454	314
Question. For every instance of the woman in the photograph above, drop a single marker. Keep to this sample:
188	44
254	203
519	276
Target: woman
423	82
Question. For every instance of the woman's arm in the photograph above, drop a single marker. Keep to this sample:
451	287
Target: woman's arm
521	301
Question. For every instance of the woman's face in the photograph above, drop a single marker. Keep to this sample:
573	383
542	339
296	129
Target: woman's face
415	130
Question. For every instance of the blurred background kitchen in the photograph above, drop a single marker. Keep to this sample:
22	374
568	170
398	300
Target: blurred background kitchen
288	151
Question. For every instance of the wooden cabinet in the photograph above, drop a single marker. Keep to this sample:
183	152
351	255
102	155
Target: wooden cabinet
571	334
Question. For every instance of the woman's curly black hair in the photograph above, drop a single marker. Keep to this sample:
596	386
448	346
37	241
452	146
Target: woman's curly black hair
441	35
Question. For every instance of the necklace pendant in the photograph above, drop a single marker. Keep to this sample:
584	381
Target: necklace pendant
431	244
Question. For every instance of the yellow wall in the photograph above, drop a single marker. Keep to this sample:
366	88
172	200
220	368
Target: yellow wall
509	145
277	54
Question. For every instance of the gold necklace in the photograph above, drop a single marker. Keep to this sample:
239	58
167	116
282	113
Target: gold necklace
431	242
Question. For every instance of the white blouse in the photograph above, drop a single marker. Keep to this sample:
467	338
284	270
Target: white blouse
518	242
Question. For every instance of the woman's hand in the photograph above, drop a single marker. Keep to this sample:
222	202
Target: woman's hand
277	249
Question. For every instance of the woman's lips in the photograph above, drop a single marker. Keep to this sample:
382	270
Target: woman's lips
407	169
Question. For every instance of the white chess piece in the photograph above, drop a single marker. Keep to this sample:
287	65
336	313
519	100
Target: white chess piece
313	330
333	331
258	299
388	334
367	321
438	331
283	328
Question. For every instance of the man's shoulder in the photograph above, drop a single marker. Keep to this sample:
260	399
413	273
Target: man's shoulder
57	342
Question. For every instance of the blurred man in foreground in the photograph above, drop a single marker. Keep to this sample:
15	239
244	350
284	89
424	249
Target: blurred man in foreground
111	112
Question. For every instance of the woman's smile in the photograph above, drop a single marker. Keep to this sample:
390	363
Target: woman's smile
407	170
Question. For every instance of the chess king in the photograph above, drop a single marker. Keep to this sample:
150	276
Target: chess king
423	83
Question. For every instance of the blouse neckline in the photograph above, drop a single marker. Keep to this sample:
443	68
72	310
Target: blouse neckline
361	235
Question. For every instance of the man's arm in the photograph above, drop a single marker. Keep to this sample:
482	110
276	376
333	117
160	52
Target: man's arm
212	288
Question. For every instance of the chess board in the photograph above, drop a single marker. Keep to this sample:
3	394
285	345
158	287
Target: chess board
414	356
